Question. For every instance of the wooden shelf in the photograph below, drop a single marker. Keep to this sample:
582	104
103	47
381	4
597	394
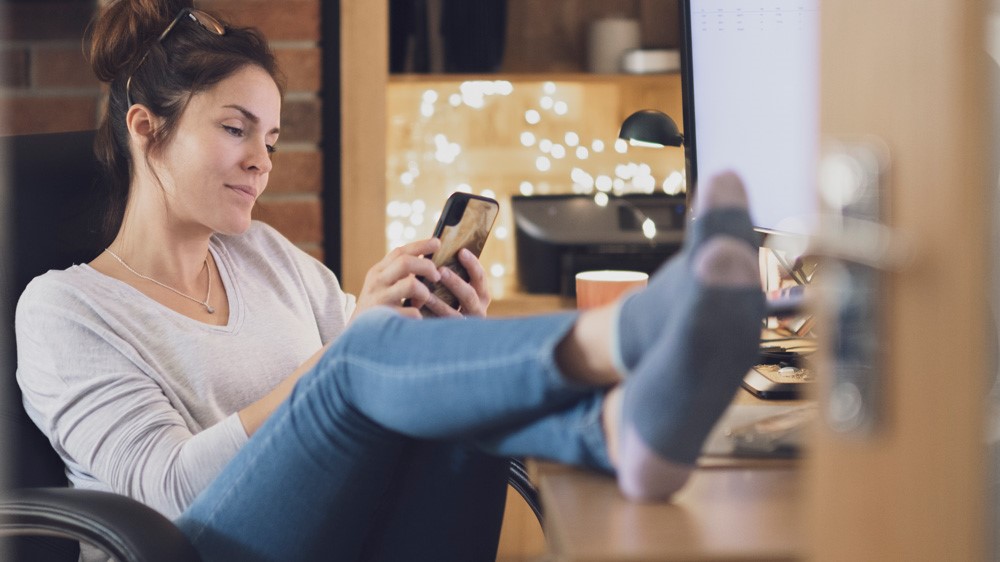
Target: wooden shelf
524	304
535	77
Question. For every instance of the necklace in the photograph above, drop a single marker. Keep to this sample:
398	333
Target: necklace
209	308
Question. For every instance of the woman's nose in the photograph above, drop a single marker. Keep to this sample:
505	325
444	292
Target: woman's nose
259	159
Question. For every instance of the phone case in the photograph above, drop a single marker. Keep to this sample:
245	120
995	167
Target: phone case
465	222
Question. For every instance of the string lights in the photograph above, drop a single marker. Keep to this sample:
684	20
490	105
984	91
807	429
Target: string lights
433	161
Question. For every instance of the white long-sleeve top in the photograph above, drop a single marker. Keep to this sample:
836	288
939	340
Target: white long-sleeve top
140	400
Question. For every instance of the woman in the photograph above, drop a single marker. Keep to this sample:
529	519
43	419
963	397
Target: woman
204	365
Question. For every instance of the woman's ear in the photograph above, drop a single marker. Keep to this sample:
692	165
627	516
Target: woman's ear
141	124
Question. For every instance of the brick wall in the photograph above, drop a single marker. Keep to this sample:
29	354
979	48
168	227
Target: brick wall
46	86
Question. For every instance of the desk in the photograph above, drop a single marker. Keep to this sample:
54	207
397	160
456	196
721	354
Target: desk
727	511
731	509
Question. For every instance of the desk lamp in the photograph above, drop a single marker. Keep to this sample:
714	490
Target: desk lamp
649	127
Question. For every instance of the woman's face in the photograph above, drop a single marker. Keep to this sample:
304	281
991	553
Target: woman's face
218	161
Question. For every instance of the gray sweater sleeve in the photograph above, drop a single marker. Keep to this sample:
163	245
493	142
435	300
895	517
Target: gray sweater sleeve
91	393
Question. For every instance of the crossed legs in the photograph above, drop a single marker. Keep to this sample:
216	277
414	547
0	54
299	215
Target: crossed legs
660	367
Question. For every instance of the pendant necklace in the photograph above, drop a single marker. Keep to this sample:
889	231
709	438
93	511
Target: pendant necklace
208	308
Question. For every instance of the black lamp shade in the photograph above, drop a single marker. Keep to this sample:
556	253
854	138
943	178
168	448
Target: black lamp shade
652	127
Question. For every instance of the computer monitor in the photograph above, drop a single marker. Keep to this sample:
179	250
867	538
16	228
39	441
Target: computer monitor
750	73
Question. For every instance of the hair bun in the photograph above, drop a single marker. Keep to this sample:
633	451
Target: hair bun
122	29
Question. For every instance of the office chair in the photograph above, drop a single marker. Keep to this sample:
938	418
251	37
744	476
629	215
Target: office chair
52	222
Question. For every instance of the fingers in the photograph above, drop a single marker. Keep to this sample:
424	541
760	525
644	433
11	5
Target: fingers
440	308
477	276
395	261
407	288
406	266
418	248
468	300
394	277
473	296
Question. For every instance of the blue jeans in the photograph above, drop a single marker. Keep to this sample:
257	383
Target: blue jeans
314	481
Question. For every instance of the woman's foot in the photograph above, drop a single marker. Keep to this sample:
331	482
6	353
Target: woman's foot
720	209
686	365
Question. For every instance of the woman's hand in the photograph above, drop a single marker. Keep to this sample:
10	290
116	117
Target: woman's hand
473	297
394	279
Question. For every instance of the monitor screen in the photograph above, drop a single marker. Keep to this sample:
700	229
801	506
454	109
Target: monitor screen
751	103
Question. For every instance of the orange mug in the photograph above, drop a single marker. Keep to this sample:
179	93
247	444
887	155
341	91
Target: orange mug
597	288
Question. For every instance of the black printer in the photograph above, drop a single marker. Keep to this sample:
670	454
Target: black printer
558	236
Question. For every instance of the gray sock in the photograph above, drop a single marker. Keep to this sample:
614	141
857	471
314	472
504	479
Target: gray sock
722	212
687	377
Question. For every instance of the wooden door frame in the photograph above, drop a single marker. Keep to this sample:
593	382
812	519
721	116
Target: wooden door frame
907	73
363	75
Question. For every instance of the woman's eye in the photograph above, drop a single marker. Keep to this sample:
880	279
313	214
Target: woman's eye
271	149
235	131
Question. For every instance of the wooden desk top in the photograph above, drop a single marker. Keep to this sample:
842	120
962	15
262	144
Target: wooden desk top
721	514
731	509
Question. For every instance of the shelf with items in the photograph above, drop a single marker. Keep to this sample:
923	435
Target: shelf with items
523	36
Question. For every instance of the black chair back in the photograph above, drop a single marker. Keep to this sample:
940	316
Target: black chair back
50	223
51	226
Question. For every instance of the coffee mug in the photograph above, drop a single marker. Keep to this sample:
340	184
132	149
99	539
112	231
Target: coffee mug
597	288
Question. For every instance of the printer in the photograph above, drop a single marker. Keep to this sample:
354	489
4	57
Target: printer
558	236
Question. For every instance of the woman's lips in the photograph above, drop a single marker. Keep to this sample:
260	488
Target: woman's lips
246	190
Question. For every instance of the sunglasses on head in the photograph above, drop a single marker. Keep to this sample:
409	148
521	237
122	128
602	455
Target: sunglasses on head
201	18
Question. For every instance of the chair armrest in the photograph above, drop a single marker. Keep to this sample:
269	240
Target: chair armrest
517	478
122	527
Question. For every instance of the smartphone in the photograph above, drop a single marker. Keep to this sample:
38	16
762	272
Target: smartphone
465	222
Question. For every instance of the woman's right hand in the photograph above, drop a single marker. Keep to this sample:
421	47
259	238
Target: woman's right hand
394	279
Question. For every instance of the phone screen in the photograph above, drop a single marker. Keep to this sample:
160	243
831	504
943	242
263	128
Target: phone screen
465	223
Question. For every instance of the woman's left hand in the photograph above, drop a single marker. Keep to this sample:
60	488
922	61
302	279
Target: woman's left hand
473	296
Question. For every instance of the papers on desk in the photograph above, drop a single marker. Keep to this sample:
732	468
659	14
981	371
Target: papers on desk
758	431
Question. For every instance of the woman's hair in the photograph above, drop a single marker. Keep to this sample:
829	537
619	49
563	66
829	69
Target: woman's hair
124	42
